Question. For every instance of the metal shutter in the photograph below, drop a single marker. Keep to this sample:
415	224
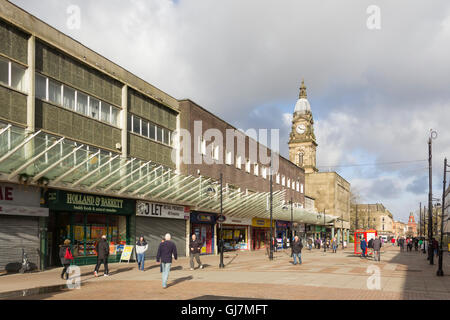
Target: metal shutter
17	233
154	229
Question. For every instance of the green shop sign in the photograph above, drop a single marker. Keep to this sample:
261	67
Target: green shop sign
320	229
72	201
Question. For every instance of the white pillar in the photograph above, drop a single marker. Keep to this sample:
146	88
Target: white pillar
31	78
124	122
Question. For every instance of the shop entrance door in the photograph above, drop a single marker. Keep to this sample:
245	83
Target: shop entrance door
205	233
259	239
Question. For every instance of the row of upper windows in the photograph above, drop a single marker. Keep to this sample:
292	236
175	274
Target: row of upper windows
12	75
61	94
280	179
149	130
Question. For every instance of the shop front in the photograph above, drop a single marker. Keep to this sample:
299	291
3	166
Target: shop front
21	223
84	218
202	224
283	230
154	220
261	233
235	233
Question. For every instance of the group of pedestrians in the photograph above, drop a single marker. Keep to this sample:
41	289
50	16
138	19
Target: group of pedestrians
167	251
373	246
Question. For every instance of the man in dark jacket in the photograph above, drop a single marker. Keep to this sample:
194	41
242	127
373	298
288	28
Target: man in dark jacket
195	247
376	248
165	251
296	248
102	256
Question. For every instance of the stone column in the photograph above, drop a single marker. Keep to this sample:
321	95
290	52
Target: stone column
332	232
31	86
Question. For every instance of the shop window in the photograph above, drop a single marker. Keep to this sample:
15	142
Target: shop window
152	131
94	108
69	98
4	72
18	77
115	116
136	125
41	87
105	112
54	92
144	128
82	103
159	134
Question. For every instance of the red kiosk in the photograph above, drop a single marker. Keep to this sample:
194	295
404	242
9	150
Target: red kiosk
367	234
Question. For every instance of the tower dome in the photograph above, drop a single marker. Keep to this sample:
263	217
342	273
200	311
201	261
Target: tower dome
302	105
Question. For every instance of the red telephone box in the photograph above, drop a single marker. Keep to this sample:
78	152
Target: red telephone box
367	234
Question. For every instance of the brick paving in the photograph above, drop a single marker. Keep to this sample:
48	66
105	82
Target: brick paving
322	276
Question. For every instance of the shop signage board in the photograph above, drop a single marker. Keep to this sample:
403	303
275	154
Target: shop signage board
61	200
20	200
283	224
238	221
221	219
160	210
200	217
126	253
262	223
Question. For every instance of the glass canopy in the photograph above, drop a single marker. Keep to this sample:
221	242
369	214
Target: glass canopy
46	160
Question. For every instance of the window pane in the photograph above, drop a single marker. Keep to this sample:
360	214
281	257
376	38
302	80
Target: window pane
144	128
114	116
40	87
69	98
94	108
129	122
159	134
4	72
54	91
81	103
152	132
136	125
106	109
18	77
167	138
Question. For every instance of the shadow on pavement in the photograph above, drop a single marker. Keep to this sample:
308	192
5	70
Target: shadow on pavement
179	280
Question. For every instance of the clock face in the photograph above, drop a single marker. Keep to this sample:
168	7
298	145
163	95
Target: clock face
300	129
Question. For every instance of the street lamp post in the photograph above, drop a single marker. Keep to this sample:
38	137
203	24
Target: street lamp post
292	222
430	195
440	272
271	218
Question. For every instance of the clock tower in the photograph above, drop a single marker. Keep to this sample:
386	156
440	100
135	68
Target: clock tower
302	141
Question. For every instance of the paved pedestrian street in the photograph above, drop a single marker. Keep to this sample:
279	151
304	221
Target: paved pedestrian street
249	275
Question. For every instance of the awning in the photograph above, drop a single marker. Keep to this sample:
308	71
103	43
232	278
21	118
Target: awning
45	160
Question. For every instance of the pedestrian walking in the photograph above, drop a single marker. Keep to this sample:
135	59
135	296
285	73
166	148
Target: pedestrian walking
334	244
363	246
393	241
141	247
66	257
166	250
310	241
296	250
195	247
102	256
377	244
435	245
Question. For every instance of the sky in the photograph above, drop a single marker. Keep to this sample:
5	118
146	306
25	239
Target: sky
374	93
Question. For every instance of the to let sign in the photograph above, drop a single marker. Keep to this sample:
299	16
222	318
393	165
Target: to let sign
159	210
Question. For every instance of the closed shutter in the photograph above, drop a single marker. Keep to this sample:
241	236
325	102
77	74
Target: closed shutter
154	229
17	233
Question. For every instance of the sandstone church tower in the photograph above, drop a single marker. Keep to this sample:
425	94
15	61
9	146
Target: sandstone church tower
302	141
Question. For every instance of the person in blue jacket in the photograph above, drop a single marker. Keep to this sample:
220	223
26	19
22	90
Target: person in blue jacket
363	247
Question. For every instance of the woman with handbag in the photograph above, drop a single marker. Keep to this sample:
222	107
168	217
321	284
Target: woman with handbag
65	254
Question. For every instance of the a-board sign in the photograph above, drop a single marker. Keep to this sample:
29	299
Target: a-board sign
126	253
